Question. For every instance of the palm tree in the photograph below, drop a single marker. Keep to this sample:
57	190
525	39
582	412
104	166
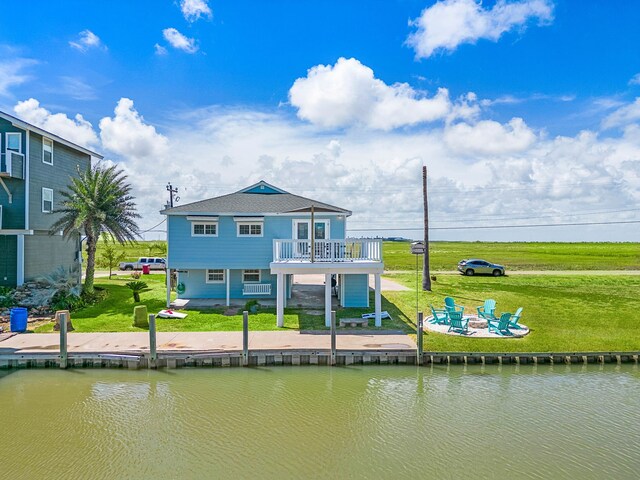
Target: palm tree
98	200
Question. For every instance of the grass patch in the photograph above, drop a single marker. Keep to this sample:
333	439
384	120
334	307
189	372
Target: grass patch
115	313
519	256
564	313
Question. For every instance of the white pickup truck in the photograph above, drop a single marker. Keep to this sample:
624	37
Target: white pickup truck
155	263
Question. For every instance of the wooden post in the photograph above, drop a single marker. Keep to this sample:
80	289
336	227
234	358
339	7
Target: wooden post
63	340
426	276
333	338
419	336
153	353
245	338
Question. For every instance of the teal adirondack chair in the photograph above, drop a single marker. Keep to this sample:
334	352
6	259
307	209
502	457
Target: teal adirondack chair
487	310
500	326
440	316
450	305
458	323
513	323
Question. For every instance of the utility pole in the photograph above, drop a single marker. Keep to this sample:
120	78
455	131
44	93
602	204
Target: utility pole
426	277
172	191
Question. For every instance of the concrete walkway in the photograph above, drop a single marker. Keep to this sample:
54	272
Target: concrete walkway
214	342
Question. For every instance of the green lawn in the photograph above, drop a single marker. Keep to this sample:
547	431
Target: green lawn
519	256
565	313
115	313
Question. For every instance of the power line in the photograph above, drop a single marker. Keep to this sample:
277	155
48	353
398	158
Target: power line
507	217
155	226
493	226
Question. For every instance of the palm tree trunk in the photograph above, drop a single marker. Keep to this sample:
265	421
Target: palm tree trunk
91	264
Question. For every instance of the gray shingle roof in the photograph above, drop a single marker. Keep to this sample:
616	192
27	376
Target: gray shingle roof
253	203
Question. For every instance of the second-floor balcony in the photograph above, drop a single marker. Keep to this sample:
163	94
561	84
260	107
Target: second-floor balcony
12	164
328	251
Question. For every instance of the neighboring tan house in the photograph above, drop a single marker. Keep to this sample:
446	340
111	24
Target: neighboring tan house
35	166
250	243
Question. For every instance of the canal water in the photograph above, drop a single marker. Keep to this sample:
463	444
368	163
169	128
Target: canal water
511	422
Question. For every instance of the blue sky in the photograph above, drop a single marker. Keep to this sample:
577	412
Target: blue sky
540	103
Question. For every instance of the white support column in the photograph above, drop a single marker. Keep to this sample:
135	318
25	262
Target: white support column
228	279
280	301
378	300
168	270
327	299
20	265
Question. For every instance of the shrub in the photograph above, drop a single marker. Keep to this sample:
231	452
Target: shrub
63	300
136	275
136	288
252	305
6	297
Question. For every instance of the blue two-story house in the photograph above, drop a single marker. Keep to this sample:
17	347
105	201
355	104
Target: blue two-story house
250	244
35	165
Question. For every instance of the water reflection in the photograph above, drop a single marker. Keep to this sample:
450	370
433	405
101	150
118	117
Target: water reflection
509	421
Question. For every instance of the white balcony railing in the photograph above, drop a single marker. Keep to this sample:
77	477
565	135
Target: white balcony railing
349	250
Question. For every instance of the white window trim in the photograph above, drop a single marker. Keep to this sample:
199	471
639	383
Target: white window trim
252	281
43	143
199	235
206	275
6	144
43	199
250	234
327	227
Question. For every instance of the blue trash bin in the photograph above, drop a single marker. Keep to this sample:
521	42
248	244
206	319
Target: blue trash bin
18	319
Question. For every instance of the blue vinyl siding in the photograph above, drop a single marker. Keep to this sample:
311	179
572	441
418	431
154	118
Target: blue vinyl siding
227	250
356	290
196	286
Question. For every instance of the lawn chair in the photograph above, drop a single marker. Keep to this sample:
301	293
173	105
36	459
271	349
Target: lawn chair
450	305
513	323
486	311
440	316
457	323
500	326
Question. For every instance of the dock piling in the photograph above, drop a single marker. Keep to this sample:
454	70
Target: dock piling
419	337
245	338
333	337
63	340
153	353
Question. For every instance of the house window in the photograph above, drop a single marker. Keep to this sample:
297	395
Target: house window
47	151
14	141
204	229
47	200
249	229
215	276
251	276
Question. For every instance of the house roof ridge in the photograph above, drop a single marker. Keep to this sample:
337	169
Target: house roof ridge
41	131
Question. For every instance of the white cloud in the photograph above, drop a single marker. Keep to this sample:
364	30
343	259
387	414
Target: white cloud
12	73
179	41
76	88
494	171
635	80
160	50
450	23
195	9
348	94
623	116
488	137
76	130
334	148
86	41
128	135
